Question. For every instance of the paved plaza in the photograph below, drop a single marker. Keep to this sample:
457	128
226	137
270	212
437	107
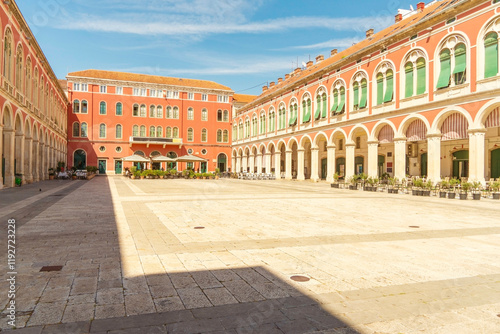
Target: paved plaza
218	256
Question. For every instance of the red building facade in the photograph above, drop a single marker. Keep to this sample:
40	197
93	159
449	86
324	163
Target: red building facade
114	115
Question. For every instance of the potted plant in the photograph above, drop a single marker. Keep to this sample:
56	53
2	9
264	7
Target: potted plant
464	189
335	183
452	189
476	190
392	189
51	173
18	179
217	174
143	174
443	188
353	180
427	188
73	173
495	187
173	173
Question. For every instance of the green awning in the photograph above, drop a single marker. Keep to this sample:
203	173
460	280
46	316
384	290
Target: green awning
409	80
317	113
460	59
342	102
293	120
364	94
380	88
325	107
491	55
335	101
307	117
445	74
389	91
421	76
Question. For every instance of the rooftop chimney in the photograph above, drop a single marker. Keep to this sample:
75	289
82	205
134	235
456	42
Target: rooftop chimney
369	33
420	6
333	52
319	59
309	63
280	80
271	85
297	70
399	18
287	76
264	88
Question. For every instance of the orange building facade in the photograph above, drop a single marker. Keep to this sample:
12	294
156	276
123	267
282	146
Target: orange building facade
419	98
33	113
114	115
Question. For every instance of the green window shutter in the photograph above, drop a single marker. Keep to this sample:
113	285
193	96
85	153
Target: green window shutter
409	79
335	102
445	74
340	108
356	95
491	55
389	92
380	88
325	107
460	59
307	111
317	113
364	93
421	76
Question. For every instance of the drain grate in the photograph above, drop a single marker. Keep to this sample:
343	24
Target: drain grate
300	278
414	226
199	227
51	268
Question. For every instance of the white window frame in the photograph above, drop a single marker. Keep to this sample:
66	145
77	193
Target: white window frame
190	96
103	89
136	92
204	97
119	90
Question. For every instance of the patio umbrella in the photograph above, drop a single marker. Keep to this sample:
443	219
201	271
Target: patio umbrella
135	158
162	158
190	158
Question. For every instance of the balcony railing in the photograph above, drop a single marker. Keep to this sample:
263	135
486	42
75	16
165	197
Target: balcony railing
155	141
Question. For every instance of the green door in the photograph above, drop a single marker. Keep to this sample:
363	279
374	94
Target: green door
80	159
340	163
203	167
461	164
221	162
102	166
118	167
324	165
495	163
423	164
381	163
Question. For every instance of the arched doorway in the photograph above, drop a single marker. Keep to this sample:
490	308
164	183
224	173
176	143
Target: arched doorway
380	165
423	164
359	165
172	165
222	162
80	159
156	165
340	166
495	163
461	164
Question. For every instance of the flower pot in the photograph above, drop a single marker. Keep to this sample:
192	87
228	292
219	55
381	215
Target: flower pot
451	195
374	189
427	193
476	197
463	196
142	177
73	177
366	188
389	191
496	195
51	177
414	192
442	194
132	177
353	188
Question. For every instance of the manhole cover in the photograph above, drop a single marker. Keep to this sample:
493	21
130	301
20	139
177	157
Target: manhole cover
414	226
299	278
199	228
51	268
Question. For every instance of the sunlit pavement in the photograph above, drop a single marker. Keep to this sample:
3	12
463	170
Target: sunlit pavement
218	256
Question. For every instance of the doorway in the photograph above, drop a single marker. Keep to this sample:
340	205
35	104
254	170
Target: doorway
102	166
423	164
118	167
461	164
495	164
221	162
324	168
80	159
380	164
203	167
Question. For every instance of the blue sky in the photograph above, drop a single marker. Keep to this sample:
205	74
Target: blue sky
237	43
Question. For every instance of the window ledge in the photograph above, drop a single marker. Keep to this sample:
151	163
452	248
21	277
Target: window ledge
451	88
415	97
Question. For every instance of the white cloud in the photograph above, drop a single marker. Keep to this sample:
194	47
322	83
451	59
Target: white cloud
333	43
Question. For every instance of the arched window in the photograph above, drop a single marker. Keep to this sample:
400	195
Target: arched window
159	131
338	99
247	128
452	64
28	83
204	135
159	112
35	88
119	109
168	112
293	113
491	55
83	132
143	110
7	55
118	131
225	136
84	107
204	114
102	130
143	131
306	109
226	116
102	108
385	84
262	127
176	113
190	134
235	132
152	111
255	125
418	80
241	131
152	131
190	115
219	115
19	68
76	106
168	132
135	131
321	105
281	117
272	120
360	91
219	136
135	110
175	132
76	129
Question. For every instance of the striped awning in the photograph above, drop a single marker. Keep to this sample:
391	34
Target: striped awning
386	135
493	120
454	127
416	131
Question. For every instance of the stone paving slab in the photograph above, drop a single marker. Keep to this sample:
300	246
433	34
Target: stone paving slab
133	261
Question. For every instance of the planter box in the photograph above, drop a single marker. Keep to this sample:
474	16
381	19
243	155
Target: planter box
414	192
451	195
496	195
476	197
442	194
374	189
353	188
427	193
91	176
367	188
463	196
335	185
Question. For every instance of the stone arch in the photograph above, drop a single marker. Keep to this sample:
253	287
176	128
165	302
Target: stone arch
403	127
290	143
356	129
317	138
484	112
443	114
376	129
337	133
281	143
303	140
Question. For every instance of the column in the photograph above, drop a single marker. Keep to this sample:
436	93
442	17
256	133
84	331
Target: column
349	160
28	160
400	158
268	163
259	162
300	164
1	154
244	163
277	165
9	155
330	163
373	159
20	156
252	163
314	164
476	155
41	152
234	162
288	165
36	161
434	157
